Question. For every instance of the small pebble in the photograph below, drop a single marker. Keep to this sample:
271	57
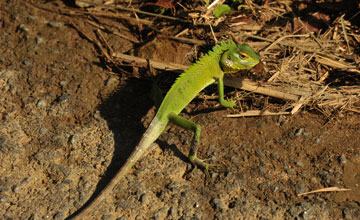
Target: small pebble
59	215
290	171
281	120
259	153
4	199
25	181
173	211
6	75
217	203
65	98
274	188
113	81
299	132
34	217
41	103
161	214
39	40
23	28
26	62
325	176
16	188
144	198
299	188
299	164
74	139
43	131
294	211
63	83
197	205
107	217
307	133
342	159
306	214
55	24
275	156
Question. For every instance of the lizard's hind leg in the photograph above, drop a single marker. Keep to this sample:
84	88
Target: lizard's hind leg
189	125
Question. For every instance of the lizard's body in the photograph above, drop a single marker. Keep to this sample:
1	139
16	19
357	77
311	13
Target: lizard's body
226	57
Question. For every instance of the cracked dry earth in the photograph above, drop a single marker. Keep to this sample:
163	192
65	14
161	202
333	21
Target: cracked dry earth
67	125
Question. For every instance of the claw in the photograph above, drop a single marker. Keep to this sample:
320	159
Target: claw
206	166
232	103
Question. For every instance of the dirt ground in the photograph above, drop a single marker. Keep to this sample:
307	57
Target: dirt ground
68	122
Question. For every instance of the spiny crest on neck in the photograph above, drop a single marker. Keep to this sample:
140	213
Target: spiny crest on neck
214	54
218	50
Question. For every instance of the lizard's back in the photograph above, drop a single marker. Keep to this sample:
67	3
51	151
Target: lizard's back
200	75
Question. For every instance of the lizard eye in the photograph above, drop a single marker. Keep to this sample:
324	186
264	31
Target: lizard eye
229	57
243	56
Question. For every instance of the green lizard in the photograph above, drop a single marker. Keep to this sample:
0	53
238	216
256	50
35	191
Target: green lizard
227	57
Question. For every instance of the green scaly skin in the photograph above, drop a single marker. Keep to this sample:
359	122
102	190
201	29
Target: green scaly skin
227	57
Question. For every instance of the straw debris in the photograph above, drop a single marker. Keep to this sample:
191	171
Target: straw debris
309	59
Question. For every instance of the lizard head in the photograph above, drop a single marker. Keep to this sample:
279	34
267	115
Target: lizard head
238	58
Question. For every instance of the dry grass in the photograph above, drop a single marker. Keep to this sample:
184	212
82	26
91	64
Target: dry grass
319	67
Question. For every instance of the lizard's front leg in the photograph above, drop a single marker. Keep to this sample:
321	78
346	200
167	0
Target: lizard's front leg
189	125
227	104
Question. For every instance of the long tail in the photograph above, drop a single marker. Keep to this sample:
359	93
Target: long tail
151	134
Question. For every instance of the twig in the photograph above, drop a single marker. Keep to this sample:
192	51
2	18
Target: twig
298	105
132	39
154	63
102	38
328	189
344	31
255	87
250	113
279	40
183	39
336	64
323	77
293	45
140	12
151	14
228	81
213	4
274	76
234	38
213	34
352	109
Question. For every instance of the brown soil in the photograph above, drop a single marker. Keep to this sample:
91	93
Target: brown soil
68	122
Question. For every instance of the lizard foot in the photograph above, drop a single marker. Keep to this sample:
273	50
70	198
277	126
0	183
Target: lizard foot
207	167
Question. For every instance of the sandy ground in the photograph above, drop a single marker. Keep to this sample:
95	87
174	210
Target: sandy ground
67	124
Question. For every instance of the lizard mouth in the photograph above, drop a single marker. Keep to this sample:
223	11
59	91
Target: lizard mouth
249	63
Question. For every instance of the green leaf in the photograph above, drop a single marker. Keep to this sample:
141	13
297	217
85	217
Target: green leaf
221	10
